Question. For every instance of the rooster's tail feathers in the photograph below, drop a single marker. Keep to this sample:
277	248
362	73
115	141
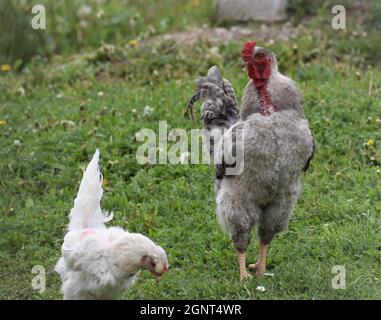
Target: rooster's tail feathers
87	212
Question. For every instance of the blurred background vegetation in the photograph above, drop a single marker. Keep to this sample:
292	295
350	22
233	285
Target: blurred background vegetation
75	25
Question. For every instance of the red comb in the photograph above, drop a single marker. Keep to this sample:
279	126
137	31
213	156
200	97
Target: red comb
248	51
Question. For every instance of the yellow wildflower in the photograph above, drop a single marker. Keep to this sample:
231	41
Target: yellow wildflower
133	42
3	122
5	67
370	142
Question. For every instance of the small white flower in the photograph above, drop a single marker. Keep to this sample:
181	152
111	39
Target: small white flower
214	50
378	171
83	24
261	289
107	49
60	95
84	11
67	123
101	94
21	91
100	14
268	274
148	110
133	110
17	143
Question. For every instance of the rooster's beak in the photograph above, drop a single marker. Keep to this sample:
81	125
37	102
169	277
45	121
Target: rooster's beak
242	64
157	278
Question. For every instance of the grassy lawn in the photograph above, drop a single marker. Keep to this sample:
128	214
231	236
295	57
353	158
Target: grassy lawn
61	110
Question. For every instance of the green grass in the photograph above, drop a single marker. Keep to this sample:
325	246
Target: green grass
336	222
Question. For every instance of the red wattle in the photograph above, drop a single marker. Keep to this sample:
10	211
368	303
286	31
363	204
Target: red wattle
266	107
259	70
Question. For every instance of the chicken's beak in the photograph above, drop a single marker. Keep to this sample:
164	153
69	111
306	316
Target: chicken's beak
158	278
242	65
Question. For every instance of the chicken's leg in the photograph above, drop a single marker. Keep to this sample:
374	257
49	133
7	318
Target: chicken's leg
260	266
242	266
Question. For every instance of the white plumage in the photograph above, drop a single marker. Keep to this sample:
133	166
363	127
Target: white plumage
87	211
99	262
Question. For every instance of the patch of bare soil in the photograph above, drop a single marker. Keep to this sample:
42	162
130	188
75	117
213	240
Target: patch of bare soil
264	33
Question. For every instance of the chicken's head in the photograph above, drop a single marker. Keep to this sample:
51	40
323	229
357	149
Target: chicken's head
260	62
156	262
133	252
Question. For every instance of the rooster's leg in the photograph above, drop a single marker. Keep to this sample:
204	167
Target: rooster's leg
242	266
260	266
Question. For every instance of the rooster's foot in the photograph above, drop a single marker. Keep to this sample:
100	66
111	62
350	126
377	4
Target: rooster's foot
244	275
259	267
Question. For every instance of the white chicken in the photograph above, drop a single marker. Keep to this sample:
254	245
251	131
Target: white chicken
99	262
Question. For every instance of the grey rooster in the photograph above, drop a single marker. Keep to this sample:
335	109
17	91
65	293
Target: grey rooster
277	146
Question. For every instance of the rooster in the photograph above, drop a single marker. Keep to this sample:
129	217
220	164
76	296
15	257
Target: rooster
99	262
277	146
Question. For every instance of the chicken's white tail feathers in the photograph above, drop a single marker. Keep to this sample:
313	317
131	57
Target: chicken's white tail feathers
87	212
